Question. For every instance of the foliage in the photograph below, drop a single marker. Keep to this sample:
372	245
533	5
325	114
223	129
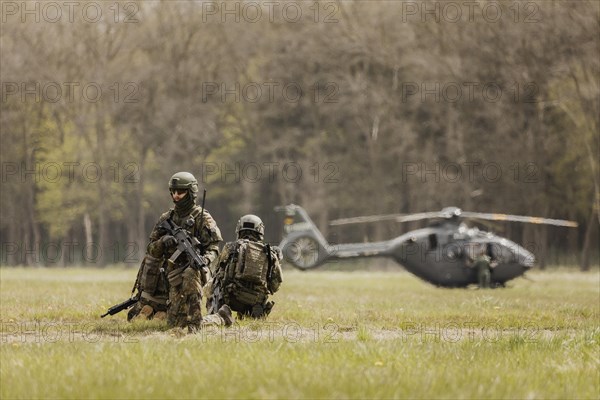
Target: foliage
179	93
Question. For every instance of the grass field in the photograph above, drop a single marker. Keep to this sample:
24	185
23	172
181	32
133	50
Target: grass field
331	335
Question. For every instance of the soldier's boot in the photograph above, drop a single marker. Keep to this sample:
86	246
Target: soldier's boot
193	328
160	315
145	313
268	307
134	311
257	311
176	332
225	313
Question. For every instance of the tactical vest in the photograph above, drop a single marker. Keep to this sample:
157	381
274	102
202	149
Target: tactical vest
175	272
193	215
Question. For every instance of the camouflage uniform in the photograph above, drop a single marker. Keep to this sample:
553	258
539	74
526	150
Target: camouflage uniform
483	268
477	258
184	282
218	294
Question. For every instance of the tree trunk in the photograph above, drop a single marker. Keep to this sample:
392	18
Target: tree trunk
542	245
87	226
141	227
102	245
585	252
573	241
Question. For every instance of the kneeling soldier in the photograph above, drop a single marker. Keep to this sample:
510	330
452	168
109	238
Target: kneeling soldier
247	272
184	280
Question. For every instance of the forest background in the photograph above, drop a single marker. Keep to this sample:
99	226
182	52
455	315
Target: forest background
344	107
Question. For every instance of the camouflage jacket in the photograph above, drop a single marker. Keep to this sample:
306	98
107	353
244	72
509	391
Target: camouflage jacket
208	235
482	261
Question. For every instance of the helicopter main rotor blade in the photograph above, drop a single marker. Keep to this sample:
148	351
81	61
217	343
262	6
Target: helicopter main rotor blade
364	219
420	216
387	217
450	213
519	218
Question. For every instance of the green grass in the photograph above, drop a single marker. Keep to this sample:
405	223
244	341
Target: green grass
331	335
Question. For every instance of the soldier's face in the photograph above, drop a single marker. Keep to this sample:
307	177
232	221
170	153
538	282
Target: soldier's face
178	194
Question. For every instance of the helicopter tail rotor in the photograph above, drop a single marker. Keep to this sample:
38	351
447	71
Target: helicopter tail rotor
303	245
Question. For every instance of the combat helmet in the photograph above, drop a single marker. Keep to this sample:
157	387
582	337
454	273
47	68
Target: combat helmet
250	223
184	180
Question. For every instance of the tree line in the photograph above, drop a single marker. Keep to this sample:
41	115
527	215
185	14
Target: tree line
344	107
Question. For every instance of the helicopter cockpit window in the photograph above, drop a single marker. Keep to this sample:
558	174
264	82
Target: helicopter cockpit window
497	252
490	251
433	241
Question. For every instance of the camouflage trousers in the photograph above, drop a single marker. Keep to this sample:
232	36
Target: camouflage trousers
185	299
484	277
483	274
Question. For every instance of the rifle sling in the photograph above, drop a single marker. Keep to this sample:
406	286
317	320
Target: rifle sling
270	261
148	296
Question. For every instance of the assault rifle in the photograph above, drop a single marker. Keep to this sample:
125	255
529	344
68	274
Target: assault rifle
121	306
187	244
117	308
270	264
216	300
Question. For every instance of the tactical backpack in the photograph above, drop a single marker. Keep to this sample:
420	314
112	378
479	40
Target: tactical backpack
246	274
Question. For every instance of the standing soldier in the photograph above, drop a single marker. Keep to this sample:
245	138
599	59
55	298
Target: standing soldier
247	271
184	281
484	269
478	259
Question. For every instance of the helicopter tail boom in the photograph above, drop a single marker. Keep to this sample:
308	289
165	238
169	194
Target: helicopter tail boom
305	247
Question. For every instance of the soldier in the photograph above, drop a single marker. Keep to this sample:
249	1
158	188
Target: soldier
481	262
247	271
184	282
484	269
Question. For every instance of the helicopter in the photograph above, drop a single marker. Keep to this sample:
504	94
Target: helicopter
440	253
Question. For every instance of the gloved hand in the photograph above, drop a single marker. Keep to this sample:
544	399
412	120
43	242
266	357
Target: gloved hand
168	241
205	261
